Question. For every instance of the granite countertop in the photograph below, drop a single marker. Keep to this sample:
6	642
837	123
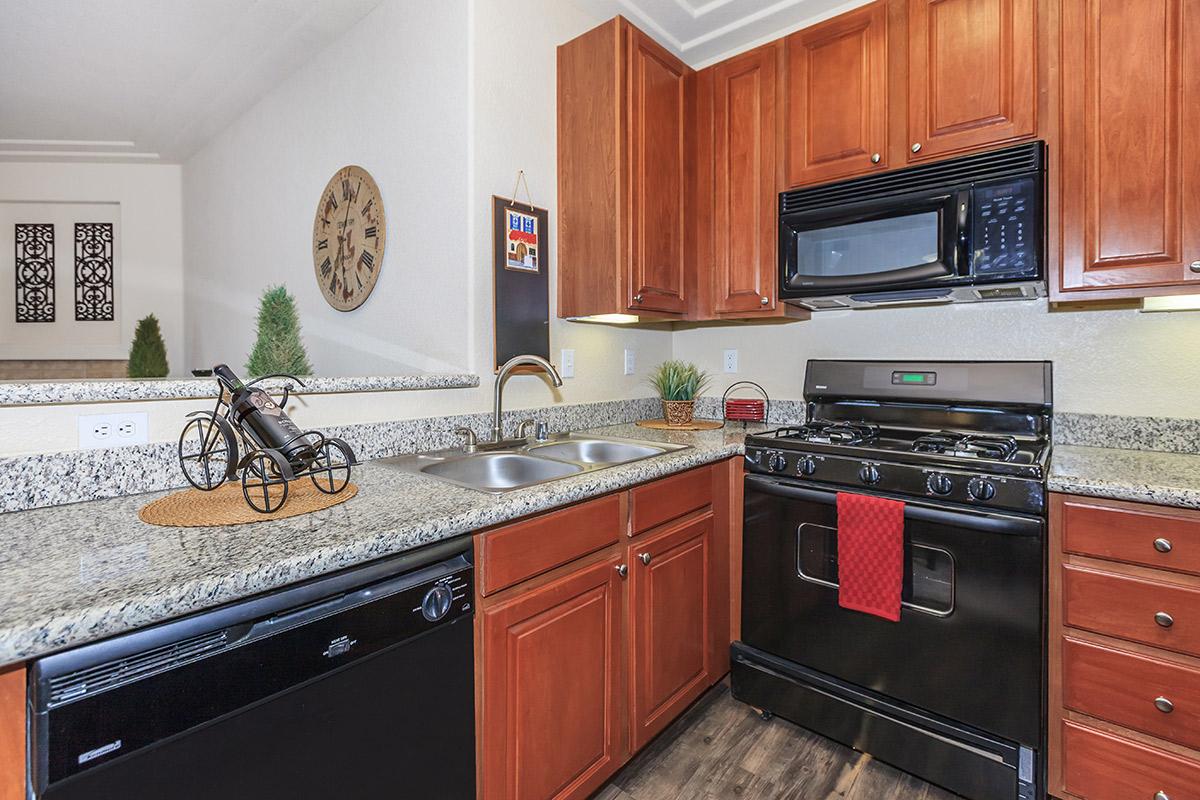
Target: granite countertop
77	573
1144	476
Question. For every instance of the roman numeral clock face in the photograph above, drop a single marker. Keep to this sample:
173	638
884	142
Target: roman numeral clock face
349	233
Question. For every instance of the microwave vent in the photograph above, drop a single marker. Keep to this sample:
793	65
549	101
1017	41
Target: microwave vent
998	164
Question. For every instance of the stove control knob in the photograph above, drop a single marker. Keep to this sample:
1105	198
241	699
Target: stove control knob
869	474
807	466
776	462
981	489
939	483
436	603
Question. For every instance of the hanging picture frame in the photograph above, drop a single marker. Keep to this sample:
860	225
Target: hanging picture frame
521	279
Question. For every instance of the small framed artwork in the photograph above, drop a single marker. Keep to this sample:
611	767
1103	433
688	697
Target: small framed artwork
521	279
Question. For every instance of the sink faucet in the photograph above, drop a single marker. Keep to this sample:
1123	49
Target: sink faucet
502	376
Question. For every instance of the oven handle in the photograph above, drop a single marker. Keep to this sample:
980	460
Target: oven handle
985	521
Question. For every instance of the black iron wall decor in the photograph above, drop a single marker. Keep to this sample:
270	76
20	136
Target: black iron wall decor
94	271
35	272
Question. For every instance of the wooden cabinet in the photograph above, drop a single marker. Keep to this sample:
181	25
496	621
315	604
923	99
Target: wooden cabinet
552	716
1124	650
12	732
972	79
837	105
621	175
670	603
1129	191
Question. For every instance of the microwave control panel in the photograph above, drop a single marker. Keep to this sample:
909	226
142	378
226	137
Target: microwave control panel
1006	230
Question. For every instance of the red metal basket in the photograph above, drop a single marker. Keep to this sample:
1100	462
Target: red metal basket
746	409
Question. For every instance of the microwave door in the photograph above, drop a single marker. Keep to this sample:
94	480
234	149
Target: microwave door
892	242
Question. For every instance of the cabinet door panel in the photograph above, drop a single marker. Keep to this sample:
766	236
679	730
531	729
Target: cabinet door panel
837	97
551	710
971	74
656	113
744	126
670	603
1129	116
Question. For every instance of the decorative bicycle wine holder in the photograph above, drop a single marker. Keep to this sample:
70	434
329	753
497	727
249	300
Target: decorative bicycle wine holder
247	437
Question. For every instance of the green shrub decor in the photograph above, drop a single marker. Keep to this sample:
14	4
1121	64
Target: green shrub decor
277	347
679	380
148	354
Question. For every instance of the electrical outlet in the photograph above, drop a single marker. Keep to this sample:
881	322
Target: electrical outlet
731	361
630	361
566	364
113	430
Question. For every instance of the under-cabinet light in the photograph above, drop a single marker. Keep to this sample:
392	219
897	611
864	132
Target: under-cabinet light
1176	302
611	319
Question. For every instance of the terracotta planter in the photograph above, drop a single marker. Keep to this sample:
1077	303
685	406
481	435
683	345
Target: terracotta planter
678	413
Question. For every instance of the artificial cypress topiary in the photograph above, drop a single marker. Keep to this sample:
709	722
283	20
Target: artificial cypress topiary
148	354
277	347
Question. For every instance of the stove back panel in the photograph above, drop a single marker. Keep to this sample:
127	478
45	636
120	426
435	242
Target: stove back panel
1009	384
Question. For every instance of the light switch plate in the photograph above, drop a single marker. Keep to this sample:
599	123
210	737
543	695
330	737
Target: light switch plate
730	362
566	363
630	361
113	430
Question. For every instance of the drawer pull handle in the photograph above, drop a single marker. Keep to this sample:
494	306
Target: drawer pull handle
1162	545
646	558
1161	796
1164	619
623	570
1164	705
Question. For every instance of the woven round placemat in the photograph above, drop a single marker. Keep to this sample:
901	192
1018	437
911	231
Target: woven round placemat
694	425
193	508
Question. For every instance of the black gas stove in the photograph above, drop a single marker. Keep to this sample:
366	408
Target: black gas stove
941	442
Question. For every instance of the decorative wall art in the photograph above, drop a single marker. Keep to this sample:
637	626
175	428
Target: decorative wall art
521	280
94	271
35	272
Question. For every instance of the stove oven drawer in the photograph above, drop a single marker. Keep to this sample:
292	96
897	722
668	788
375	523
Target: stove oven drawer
1100	766
1150	695
1144	611
1132	533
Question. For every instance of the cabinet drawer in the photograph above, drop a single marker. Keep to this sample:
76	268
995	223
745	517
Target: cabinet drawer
519	551
669	498
1122	687
1160	614
1126	534
1100	766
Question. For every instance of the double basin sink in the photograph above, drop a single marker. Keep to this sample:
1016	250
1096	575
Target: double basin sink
518	464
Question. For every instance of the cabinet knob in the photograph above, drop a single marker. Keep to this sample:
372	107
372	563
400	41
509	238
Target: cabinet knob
623	570
1161	796
637	298
1164	619
876	158
764	300
1164	705
1162	545
916	148
645	558
1194	266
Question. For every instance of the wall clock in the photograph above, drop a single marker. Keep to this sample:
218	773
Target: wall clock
349	233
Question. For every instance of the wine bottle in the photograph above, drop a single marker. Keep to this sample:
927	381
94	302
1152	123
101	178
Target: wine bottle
264	422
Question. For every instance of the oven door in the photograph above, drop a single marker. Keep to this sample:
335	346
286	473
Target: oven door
968	645
900	242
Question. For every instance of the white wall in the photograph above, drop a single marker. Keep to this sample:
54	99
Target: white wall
1105	362
143	201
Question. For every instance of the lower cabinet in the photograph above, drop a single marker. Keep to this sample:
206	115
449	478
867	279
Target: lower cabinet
581	665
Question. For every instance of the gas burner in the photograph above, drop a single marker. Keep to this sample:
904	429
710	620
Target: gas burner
995	448
823	432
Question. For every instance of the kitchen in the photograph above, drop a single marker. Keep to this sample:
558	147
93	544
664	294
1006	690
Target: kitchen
583	606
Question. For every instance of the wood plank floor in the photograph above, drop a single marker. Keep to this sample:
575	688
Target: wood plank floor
722	749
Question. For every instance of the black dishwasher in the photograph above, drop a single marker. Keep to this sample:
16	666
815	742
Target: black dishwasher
356	685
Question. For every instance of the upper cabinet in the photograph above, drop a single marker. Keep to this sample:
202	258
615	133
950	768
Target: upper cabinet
972	78
1128	197
621	175
837	103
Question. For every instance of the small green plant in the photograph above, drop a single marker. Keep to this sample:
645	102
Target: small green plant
148	354
277	347
679	380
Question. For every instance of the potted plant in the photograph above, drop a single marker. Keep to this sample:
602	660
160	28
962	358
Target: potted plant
678	383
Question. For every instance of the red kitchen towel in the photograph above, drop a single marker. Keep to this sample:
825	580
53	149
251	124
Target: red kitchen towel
870	554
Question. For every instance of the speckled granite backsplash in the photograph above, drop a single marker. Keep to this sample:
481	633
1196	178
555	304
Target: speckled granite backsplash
1165	434
53	479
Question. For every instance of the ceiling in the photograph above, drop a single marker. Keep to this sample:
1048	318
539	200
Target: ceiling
147	80
703	31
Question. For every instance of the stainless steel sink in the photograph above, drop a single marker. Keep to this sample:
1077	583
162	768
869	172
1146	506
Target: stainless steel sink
517	464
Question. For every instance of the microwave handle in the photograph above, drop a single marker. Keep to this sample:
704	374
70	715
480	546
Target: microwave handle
962	253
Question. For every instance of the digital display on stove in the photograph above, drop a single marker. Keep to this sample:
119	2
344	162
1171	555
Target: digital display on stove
915	378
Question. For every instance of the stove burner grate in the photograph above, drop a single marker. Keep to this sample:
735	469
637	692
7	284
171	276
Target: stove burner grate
967	445
823	432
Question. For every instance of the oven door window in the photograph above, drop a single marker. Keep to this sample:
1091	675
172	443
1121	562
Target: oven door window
928	574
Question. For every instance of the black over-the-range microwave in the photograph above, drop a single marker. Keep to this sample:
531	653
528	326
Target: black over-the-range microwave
965	229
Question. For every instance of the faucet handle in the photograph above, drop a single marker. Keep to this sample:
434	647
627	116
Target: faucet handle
471	443
543	432
523	428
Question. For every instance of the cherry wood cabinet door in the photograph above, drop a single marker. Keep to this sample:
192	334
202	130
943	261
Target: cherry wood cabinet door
656	93
837	108
670	603
1130	127
972	77
745	190
552	690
